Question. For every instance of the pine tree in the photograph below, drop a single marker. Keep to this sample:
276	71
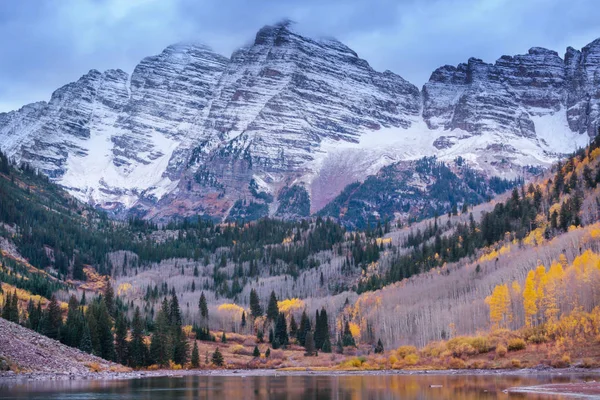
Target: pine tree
304	328
73	329
178	339
281	334
203	306
325	332
85	344
379	347
317	335
243	319
217	358
223	338
160	346
272	309
109	298
52	319
256	352
347	338
255	307
78	273
121	347
326	346
105	335
268	353
195	356
83	301
138	351
293	328
309	344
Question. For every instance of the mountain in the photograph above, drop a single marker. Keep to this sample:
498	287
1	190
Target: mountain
193	132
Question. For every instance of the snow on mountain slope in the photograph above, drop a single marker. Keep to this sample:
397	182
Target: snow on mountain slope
188	131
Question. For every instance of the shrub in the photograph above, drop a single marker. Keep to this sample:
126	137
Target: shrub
461	347
238	349
537	339
563	362
393	359
501	350
153	367
277	355
588	363
457	363
477	364
173	366
433	349
94	367
411	359
516	344
515	363
480	344
403	351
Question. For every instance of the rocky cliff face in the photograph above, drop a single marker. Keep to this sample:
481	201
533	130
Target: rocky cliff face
193	132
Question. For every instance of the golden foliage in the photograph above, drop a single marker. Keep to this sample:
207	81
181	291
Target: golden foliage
123	288
288	306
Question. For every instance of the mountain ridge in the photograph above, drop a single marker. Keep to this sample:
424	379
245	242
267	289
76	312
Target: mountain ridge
189	129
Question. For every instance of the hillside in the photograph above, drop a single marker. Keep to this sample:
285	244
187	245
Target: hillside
25	351
191	132
520	268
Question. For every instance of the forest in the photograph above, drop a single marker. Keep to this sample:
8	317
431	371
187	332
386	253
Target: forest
521	267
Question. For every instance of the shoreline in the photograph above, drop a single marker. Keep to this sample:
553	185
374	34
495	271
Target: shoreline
107	375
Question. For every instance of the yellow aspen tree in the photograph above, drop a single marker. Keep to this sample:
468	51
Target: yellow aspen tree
552	298
530	299
499	303
540	287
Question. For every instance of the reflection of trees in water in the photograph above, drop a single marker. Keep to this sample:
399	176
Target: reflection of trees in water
306	387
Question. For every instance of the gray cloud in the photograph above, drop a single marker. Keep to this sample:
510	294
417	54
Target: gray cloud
47	44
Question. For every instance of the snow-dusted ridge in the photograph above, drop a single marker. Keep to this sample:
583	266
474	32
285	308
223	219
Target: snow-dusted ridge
189	129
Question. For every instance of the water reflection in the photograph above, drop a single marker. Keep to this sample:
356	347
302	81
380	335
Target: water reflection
311	387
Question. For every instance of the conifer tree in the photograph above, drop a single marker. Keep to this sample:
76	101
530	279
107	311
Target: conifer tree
293	328
105	336
347	338
217	358
203	306
78	268
52	319
73	329
138	351
121	346
109	298
304	328
379	347
318	331
195	356
160	346
178	339
281	334
86	340
256	352
309	344
326	341
255	307
272	309
243	319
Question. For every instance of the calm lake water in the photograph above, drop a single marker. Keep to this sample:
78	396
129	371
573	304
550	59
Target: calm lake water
317	387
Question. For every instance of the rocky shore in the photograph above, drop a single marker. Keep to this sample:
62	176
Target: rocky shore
25	351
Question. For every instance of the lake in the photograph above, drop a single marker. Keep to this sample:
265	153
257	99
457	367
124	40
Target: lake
294	386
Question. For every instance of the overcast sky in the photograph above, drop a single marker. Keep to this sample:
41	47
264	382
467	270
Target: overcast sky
48	43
